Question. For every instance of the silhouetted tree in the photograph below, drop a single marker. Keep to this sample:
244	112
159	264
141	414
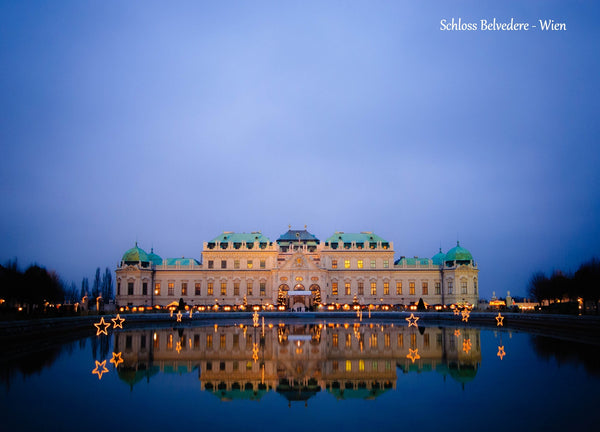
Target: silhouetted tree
421	305
96	285
85	287
587	282
107	285
538	286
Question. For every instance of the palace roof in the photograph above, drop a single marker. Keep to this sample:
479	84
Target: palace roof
363	237
229	236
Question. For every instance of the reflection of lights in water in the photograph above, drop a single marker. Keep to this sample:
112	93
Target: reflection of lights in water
216	326
457	332
255	318
171	312
456	311
104	324
413	354
499	320
178	347
155	336
116	359
99	372
467	345
412	320
465	315
501	352
118	321
255	352
191	312
178	316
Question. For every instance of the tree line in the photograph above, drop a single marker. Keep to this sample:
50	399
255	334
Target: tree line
584	284
36	286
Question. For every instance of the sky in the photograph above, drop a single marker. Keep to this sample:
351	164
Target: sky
167	123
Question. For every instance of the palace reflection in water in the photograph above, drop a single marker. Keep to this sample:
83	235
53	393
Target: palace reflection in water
298	361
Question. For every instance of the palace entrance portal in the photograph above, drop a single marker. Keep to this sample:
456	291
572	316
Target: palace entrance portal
299	299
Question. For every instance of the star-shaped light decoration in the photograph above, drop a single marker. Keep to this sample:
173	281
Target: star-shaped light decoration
501	352
98	371
412	320
103	324
255	352
413	354
116	360
456	311
255	319
457	332
178	347
118	321
499	320
178	316
467	345
465	315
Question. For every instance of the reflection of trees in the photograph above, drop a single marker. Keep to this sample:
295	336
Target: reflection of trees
568	352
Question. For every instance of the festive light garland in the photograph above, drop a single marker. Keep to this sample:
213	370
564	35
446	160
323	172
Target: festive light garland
104	324
412	320
118	321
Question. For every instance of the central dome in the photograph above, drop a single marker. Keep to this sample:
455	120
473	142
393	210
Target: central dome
135	255
458	253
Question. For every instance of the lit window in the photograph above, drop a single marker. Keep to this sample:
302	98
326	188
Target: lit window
386	288
334	340
157	288
399	288
361	288
170	342
209	289
236	264
197	290
347	288
387	340
360	264
249	288
236	288
249	264
411	288
209	341
334	288
171	287
184	288
223	288
222	341
361	365
348	340
334	264
347	263
373	288
348	366
386	264
372	263
373	341
413	340
156	340
425	288
400	340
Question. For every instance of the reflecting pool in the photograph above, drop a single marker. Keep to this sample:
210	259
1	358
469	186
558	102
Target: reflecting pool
294	376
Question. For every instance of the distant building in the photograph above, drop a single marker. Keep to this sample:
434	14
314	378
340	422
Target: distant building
297	271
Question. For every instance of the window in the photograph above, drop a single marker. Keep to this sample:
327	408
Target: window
373	263
236	366
413	340
347	263
171	287
400	340
438	288
361	365
335	365
334	340
129	288
411	288
249	288
197	289
386	288
373	340
145	288
236	264
223	288
209	341
386	264
263	264
249	264
170	342
463	287
373	288
128	342
347	288
348	366
399	288
223	264
426	340
334	288
475	286
236	288
236	340
184	288
387	340
222	341
450	288
263	289
209	289
157	288
211	264
222	366
196	341
118	288
348	340
156	340
425	288
361	288
360	264
334	264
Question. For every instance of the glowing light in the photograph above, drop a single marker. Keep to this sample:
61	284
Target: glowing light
178	347
178	316
412	320
501	352
457	332
467	345
104	324
116	359
465	315
413	354
456	311
191	312
171	312
99	372
255	318
118	321
255	352
216	327
499	320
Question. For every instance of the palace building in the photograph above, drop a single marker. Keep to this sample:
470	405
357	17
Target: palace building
297	272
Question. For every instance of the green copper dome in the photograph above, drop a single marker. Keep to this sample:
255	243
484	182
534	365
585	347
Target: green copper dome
439	258
155	259
135	254
459	254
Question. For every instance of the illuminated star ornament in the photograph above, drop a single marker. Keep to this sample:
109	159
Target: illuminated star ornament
413	354
116	360
103	324
457	332
412	320
98	371
501	352
178	316
499	320
456	312
465	315
467	345
118	321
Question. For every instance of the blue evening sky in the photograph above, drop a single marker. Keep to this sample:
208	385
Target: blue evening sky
170	122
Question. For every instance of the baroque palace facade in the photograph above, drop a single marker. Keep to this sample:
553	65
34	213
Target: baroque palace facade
299	272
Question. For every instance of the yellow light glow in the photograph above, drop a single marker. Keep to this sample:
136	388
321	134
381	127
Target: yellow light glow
116	359
178	316
255	352
171	312
499	320
98	371
103	324
501	352
457	332
255	318
465	315
191	312
412	320
467	345
413	354
456	311
118	321
178	347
